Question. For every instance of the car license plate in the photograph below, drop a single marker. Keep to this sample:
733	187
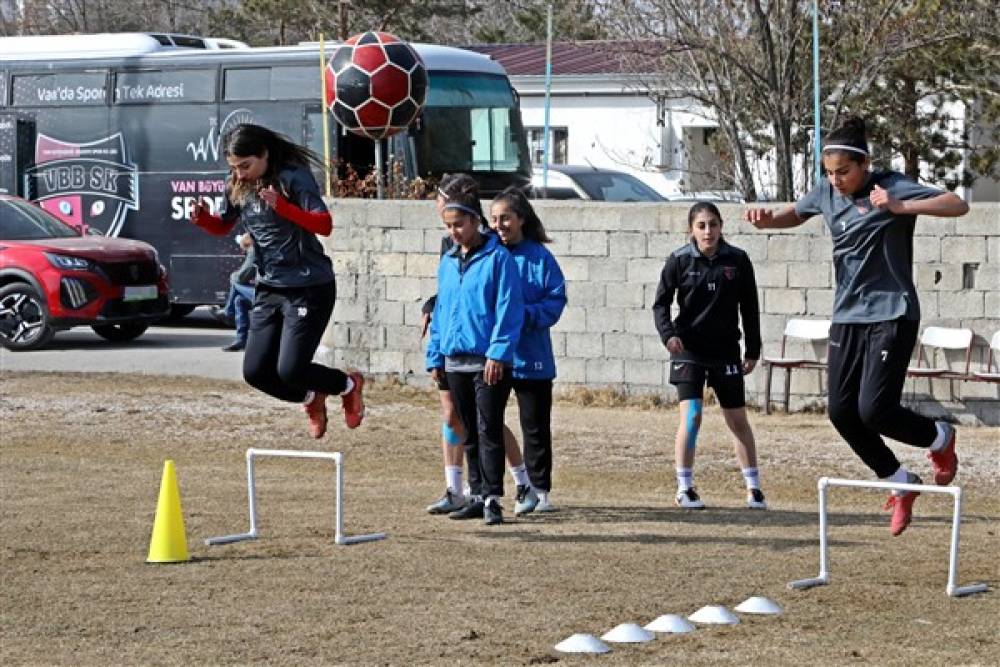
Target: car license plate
139	292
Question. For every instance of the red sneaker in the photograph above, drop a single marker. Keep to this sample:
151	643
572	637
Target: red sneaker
316	411
945	461
354	404
902	511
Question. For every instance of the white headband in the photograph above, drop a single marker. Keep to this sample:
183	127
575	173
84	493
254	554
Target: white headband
844	147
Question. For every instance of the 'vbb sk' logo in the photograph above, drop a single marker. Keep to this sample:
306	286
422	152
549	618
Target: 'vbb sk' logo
92	184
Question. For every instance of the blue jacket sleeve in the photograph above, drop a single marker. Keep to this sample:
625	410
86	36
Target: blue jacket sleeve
545	313
434	357
509	310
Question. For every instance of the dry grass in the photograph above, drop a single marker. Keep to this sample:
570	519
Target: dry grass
80	462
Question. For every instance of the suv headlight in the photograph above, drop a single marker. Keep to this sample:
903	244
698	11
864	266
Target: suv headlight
68	262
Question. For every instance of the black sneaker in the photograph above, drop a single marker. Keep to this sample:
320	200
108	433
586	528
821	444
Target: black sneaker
689	500
235	346
474	510
492	512
755	500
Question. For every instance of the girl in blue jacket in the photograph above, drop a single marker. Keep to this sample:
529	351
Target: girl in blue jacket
473	334
544	292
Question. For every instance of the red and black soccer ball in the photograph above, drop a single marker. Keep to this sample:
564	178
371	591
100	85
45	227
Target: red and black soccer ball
376	85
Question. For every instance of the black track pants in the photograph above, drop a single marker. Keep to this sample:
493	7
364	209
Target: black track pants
867	369
286	325
534	401
481	407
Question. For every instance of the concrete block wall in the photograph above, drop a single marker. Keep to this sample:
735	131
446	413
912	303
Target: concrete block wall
386	256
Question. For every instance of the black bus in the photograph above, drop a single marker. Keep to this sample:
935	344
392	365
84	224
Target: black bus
122	133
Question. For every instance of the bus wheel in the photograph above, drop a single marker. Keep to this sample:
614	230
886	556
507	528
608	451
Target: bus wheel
24	322
119	333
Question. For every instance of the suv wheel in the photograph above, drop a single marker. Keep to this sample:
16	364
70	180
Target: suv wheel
119	333
24	321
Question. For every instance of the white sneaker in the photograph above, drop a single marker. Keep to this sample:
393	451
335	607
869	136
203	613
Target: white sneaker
689	500
544	503
755	500
526	500
447	503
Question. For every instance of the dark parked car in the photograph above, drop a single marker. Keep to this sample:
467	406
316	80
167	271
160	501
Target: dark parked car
571	182
53	278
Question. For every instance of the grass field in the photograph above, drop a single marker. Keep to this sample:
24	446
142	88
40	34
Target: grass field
80	464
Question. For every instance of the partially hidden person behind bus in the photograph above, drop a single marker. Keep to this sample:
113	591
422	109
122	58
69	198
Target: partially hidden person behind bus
452	431
474	331
240	298
871	216
273	195
715	287
544	291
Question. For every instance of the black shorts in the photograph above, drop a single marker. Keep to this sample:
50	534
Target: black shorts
442	384
725	379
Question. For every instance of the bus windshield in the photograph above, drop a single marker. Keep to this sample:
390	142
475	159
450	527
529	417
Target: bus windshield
470	124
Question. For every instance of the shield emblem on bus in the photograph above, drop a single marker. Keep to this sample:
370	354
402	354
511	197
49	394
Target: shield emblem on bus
91	184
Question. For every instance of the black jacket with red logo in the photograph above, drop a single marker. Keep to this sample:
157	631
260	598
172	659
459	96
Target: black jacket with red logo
712	293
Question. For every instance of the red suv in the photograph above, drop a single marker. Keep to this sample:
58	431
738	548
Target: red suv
52	278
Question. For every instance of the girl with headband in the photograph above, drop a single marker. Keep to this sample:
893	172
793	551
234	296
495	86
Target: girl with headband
474	330
876	314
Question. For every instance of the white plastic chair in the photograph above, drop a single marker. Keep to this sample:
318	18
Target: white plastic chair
991	375
801	329
942	338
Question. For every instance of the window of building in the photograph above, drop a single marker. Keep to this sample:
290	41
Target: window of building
559	145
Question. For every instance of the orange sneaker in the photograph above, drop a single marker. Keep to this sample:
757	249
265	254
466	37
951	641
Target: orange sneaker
945	461
354	404
316	411
902	510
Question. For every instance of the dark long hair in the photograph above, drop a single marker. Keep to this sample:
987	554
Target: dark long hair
703	206
851	134
463	190
532	226
249	140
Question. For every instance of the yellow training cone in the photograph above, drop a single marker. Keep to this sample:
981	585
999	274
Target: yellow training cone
169	542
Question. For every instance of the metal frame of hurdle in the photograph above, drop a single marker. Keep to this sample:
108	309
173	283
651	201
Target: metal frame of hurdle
336	457
824	564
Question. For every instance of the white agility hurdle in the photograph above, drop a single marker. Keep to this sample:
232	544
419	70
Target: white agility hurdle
824	565
336	457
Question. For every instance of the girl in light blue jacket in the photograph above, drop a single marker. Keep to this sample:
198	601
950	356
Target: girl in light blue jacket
474	332
544	290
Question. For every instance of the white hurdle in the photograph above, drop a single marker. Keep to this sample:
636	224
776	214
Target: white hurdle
824	565
336	457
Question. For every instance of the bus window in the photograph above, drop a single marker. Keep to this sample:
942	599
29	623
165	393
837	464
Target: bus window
3	88
70	89
165	87
470	123
272	83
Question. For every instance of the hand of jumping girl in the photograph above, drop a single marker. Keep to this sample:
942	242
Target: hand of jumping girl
749	365
269	196
675	346
761	218
200	208
882	199
493	372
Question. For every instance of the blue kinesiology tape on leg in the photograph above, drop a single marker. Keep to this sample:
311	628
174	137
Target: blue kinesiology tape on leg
448	433
693	422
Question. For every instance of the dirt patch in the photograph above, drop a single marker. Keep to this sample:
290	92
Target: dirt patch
80	463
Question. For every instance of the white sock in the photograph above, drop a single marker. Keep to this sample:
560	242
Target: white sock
901	476
453	478
685	479
492	500
350	386
520	475
752	478
310	395
943	435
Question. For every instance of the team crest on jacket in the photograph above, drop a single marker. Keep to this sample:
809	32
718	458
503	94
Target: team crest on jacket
729	272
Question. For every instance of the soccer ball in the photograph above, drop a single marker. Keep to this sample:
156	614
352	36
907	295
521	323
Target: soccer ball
375	85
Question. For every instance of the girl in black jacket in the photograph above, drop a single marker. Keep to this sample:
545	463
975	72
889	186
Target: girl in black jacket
715	286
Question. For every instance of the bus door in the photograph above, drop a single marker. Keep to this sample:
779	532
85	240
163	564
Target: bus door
17	139
71	163
170	121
